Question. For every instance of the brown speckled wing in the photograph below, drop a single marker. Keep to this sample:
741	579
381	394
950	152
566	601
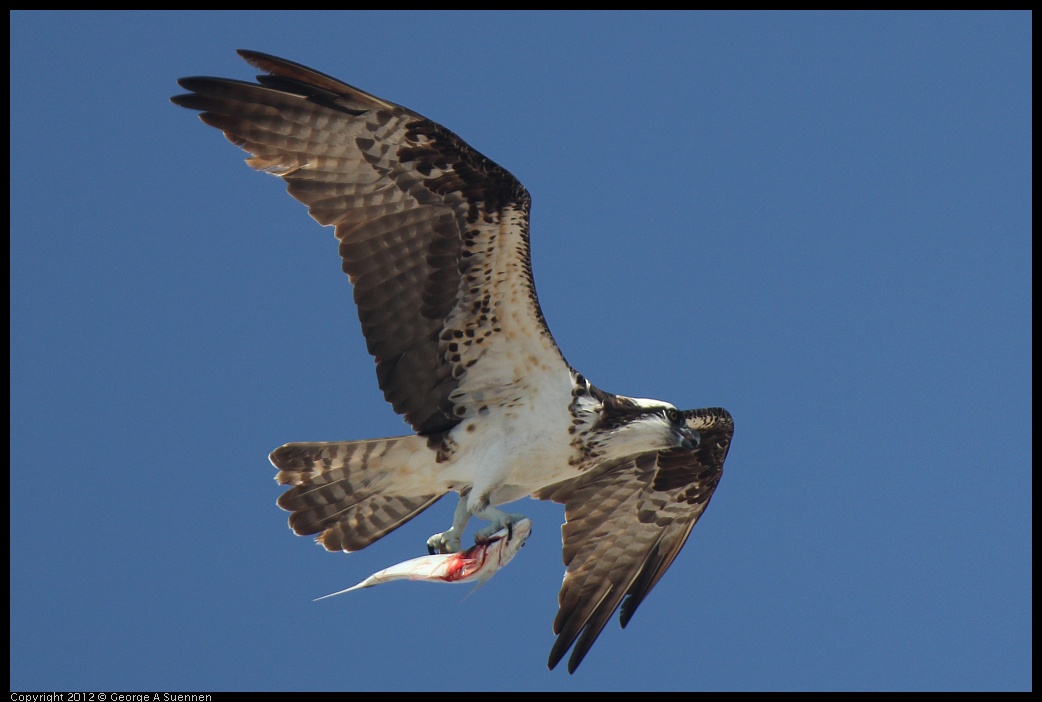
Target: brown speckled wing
624	525
433	235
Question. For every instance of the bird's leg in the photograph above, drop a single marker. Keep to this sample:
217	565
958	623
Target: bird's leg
449	541
498	520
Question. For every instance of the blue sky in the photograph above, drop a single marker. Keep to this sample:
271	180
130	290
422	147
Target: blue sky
818	221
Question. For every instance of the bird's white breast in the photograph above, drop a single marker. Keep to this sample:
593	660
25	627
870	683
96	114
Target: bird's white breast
517	445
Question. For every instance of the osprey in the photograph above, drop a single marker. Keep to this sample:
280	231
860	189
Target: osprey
434	238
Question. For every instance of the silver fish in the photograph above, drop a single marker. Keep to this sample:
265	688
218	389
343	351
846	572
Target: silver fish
478	563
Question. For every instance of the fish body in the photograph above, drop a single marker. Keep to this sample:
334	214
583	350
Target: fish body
477	564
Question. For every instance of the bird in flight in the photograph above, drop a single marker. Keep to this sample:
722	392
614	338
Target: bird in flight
434	238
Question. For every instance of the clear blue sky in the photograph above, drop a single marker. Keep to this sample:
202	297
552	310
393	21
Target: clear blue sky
821	222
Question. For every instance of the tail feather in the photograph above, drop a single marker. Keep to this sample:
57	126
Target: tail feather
354	492
371	519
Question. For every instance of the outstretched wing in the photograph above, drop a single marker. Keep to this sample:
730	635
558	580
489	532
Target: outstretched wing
624	525
433	235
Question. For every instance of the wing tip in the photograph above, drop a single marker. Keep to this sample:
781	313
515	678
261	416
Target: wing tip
582	639
263	61
555	657
572	663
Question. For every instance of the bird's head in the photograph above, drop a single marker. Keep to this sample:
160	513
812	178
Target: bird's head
629	426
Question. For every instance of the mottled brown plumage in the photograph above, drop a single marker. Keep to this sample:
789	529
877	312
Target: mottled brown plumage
648	500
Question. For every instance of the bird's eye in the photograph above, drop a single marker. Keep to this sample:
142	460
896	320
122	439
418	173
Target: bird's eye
672	415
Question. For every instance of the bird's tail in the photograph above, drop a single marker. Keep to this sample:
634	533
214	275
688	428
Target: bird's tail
351	493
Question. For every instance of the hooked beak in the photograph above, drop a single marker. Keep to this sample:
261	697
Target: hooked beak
687	439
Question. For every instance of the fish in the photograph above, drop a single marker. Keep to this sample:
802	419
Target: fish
477	564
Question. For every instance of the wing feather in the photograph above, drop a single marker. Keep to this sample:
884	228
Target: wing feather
433	235
625	523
